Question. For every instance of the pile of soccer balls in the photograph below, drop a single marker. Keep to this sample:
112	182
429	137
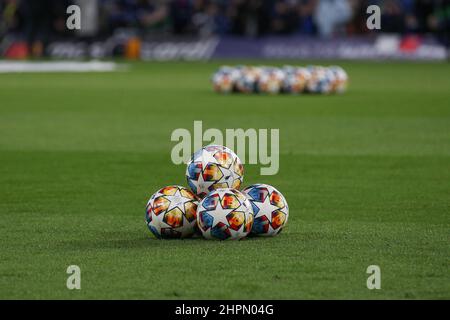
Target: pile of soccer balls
214	206
288	80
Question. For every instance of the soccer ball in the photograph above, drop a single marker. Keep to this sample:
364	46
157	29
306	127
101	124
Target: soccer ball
270	209
340	79
224	79
213	167
172	213
295	80
222	82
248	79
270	80
320	81
225	214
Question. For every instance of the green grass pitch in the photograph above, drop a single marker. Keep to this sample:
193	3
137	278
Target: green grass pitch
366	174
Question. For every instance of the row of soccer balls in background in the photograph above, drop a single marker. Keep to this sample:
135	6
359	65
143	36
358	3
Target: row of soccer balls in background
273	80
214	206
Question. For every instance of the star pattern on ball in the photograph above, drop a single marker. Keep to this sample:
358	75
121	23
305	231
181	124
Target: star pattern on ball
177	200
265	208
202	184
222	218
205	157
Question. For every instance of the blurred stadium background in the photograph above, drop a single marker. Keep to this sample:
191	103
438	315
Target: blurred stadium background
204	29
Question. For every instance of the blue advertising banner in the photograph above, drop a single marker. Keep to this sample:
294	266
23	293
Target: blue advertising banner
299	47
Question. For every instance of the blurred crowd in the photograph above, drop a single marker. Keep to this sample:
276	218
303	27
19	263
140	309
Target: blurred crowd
325	18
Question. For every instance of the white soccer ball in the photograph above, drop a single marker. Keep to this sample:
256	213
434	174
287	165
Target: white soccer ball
171	212
295	80
225	214
224	80
271	80
320	81
270	209
213	167
248	79
340	79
